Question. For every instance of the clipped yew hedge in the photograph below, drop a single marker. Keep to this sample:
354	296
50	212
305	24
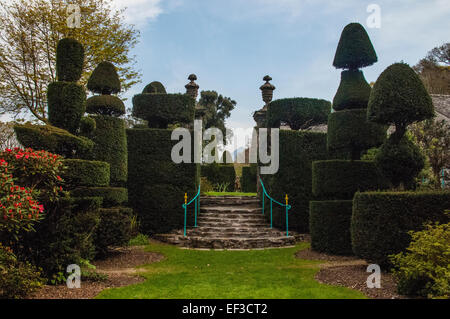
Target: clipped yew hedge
248	181
105	105
219	174
112	196
156	185
54	140
298	150
329	225
160	110
353	91
381	221
86	173
111	146
341	179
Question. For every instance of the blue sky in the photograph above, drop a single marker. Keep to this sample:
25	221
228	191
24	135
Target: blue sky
232	44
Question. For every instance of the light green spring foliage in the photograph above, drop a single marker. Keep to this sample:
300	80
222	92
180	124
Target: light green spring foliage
424	269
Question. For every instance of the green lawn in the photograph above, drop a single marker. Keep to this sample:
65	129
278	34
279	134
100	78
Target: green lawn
199	274
229	194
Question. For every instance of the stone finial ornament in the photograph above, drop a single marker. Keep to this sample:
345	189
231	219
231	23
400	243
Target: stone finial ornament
267	90
192	87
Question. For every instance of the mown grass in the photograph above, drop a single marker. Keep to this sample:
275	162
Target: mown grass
229	194
204	274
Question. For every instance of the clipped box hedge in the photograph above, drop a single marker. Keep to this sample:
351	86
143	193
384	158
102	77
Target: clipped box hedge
86	173
111	146
112	196
114	229
381	220
156	185
248	181
297	152
341	179
329	225
219	174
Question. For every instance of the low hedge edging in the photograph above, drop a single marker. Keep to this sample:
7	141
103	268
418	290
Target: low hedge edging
112	196
86	173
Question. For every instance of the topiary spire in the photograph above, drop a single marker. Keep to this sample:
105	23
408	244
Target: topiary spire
104	79
69	60
355	50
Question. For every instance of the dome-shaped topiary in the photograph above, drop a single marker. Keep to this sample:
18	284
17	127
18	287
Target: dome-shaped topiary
69	60
155	88
353	92
355	50
105	105
104	79
400	161
400	98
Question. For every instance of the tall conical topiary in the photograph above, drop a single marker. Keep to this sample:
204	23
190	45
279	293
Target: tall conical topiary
110	135
399	98
66	98
349	134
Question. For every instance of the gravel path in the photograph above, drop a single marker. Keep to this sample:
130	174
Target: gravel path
119	267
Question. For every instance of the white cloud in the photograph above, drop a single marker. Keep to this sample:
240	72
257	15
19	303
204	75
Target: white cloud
139	12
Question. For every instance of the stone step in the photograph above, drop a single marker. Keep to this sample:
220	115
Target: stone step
225	209
222	224
234	234
230	201
231	215
235	218
227	243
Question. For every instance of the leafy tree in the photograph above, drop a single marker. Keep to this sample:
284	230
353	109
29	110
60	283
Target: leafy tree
433	137
217	109
434	70
7	136
29	35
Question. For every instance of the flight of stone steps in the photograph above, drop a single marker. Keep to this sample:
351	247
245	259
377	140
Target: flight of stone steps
231	222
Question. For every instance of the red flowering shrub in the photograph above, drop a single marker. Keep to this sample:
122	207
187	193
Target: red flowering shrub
38	170
19	209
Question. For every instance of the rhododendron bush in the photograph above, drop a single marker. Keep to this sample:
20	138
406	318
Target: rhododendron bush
38	170
19	208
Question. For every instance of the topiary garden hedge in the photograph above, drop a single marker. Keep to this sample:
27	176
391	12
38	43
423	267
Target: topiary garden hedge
220	174
248	181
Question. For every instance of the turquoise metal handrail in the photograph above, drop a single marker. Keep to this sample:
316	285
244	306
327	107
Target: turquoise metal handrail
288	207
196	199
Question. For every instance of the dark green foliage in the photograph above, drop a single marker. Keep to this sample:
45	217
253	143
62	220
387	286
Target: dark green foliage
87	126
248	181
341	179
53	139
299	113
66	105
329	225
64	237
297	152
69	60
160	110
112	196
86	173
381	221
18	279
349	133
399	97
400	162
355	50
104	79
155	88
220	174
111	147
353	92
156	185
105	105
114	229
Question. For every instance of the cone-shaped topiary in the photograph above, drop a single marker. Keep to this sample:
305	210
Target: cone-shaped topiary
353	92
400	161
400	98
69	60
355	50
104	79
155	88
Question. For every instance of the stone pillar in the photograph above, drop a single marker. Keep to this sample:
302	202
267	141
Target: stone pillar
192	87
